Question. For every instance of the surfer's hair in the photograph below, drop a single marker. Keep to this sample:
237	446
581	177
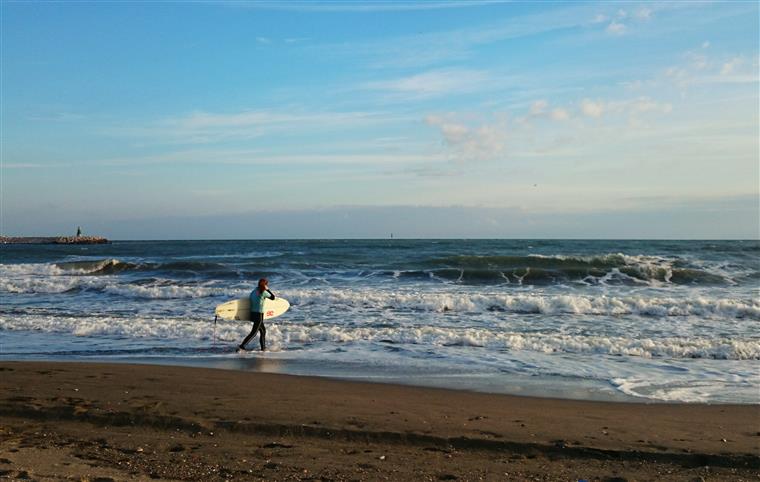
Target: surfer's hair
263	282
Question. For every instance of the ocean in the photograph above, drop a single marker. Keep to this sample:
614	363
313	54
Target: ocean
675	321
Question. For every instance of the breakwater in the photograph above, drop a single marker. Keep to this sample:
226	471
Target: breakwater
54	240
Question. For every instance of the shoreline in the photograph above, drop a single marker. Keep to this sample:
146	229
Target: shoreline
222	357
467	433
518	386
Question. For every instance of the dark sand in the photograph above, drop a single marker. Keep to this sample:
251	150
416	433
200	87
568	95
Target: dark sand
83	421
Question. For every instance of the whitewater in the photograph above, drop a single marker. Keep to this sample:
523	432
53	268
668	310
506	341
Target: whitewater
612	320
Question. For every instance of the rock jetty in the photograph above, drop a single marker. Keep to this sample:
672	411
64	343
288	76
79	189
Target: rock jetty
54	240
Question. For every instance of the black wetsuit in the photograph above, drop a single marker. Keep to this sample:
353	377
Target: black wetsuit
257	318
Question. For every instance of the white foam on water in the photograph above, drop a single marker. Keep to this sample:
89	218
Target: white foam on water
626	337
597	357
44	278
52	279
163	292
32	269
663	369
88	266
652	270
576	304
38	285
157	290
692	388
670	347
539	342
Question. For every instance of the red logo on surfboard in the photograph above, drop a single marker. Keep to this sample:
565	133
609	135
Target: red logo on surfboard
270	313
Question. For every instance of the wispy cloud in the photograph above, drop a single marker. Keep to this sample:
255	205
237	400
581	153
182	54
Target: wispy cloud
731	65
466	143
639	105
699	67
539	107
432	48
543	130
57	117
560	114
363	6
591	108
432	83
616	28
644	13
25	165
202	127
263	157
618	22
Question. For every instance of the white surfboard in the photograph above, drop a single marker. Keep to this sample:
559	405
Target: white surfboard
240	309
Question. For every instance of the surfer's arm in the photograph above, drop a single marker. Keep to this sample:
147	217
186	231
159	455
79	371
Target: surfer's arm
271	295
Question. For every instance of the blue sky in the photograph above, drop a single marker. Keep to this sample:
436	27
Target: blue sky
356	119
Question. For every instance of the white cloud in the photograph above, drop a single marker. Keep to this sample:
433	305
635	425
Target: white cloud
202	127
730	66
209	120
646	104
368	7
434	48
433	83
215	156
632	107
600	18
263	40
644	13
538	107
27	165
698	61
592	108
701	68
471	143
616	28
632	84
560	114
57	117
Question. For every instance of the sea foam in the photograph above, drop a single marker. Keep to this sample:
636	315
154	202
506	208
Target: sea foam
460	301
310	332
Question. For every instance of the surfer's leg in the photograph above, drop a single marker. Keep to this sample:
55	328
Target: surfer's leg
258	319
248	338
262	337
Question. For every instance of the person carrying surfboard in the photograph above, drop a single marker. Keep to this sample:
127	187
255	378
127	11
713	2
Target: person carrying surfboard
258	296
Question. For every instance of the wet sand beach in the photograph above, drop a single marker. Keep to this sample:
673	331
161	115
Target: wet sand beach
92	421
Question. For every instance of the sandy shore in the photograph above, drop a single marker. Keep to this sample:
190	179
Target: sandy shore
82	421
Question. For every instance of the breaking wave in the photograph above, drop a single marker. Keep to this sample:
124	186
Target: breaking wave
540	270
608	269
431	336
531	303
665	320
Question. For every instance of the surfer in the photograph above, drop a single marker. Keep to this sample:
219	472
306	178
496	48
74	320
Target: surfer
258	296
